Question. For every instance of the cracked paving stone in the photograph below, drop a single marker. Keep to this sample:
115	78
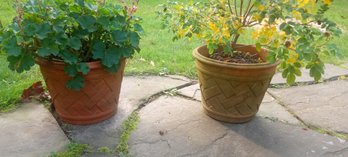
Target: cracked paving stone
323	105
177	127
268	109
30	131
330	71
135	90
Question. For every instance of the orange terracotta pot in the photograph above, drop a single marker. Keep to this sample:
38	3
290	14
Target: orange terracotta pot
97	101
232	92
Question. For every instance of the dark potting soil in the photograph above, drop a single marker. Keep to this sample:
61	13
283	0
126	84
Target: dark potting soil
237	57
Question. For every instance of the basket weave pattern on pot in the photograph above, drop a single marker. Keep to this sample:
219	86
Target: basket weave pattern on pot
95	102
232	92
231	100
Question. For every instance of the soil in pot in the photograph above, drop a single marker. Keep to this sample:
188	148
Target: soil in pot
237	57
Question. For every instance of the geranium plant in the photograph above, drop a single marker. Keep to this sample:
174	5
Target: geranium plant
74	32
296	32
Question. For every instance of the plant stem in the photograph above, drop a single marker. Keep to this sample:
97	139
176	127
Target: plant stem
241	8
235	7
229	6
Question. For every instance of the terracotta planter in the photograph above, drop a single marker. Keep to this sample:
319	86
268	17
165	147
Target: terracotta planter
232	92
96	102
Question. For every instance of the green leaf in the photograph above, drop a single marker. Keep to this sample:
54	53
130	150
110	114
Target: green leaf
98	50
87	22
75	43
291	79
285	73
114	68
71	70
271	57
43	31
297	64
126	52
105	22
119	36
20	63
76	83
138	28
61	39
80	2
315	72
43	52
69	58
30	28
111	57
11	47
134	39
50	46
297	72
83	68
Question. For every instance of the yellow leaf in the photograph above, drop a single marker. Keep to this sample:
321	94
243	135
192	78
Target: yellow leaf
297	15
255	34
293	58
302	3
213	27
261	7
327	2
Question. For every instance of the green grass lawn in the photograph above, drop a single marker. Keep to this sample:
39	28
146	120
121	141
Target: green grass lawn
159	54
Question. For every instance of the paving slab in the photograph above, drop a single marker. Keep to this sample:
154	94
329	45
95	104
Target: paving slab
324	105
330	71
30	131
193	92
134	91
174	126
269	108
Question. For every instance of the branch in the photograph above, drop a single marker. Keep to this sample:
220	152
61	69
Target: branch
229	6
235	7
241	7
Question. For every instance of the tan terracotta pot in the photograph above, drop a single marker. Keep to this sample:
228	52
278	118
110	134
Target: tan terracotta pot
96	102
232	92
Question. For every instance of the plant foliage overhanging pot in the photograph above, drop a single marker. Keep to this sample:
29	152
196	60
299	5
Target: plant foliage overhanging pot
294	34
81	47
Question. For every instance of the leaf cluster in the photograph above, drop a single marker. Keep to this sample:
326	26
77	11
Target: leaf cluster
295	32
71	31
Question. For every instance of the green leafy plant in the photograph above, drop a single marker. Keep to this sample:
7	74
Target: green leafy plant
296	32
74	32
73	150
128	126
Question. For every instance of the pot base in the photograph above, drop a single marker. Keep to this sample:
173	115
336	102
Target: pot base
227	118
86	121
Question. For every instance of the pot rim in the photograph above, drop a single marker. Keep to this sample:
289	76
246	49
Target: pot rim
92	65
197	55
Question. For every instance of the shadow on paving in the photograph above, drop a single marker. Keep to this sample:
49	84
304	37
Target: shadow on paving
173	126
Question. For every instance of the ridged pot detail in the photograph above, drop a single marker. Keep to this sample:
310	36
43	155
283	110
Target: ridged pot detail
95	102
232	92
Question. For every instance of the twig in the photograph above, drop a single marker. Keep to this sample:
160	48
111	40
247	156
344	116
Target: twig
235	7
229	6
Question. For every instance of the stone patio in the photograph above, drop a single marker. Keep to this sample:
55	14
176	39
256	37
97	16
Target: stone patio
291	122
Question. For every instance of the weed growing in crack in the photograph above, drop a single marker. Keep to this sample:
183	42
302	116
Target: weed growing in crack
129	126
172	92
105	150
74	150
